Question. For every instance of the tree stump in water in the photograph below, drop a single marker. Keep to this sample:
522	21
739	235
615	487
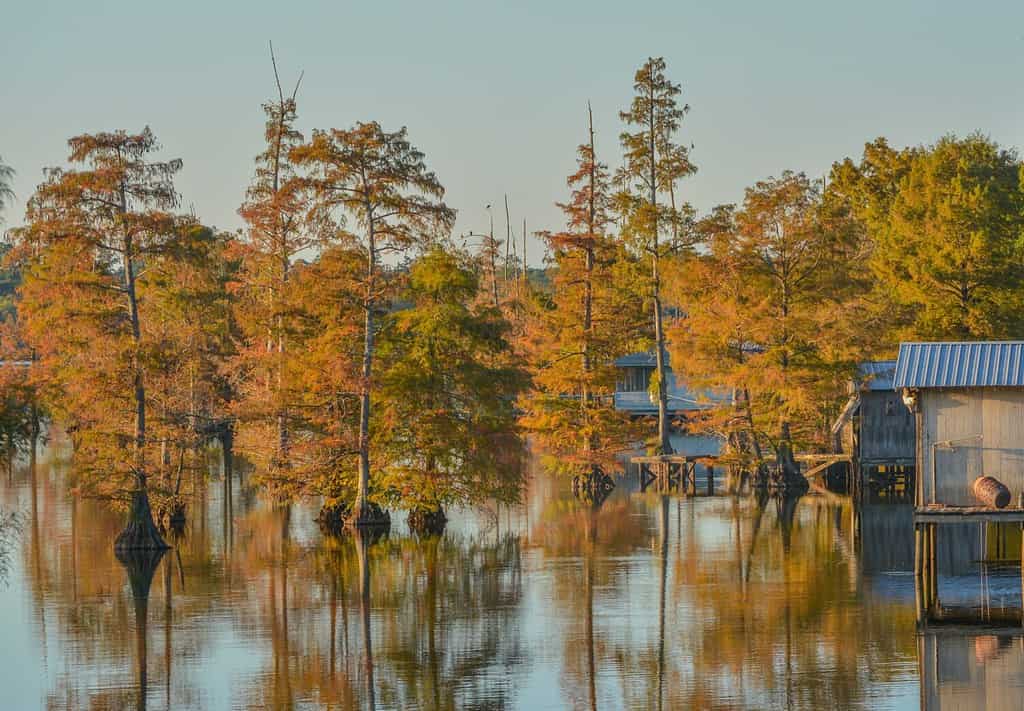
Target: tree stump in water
331	518
592	487
369	516
140	533
171	517
991	492
429	522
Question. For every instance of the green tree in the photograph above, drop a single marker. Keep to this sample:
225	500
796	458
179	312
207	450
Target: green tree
446	403
653	165
950	252
379	181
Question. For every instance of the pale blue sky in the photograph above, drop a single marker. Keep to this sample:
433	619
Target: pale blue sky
495	92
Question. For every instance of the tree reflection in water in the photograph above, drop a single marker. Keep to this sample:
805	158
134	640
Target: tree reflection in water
643	601
140	566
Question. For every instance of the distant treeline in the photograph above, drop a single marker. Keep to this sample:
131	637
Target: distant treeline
352	349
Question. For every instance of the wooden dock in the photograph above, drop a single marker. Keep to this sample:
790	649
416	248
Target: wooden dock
939	513
678	472
927	519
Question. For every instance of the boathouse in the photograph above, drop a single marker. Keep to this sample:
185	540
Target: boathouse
968	400
877	430
632	391
968	403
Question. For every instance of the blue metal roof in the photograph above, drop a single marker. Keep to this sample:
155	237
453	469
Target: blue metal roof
981	364
637	360
876	374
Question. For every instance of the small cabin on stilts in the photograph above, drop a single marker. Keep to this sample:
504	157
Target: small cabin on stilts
877	431
968	404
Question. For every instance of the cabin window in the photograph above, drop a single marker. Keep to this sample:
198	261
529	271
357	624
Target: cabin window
635	380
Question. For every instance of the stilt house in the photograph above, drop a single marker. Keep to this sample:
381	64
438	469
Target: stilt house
878	431
632	393
968	400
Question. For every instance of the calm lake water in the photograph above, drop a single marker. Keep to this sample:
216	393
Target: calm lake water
648	602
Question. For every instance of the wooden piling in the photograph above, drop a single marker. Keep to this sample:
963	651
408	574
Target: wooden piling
918	551
711	480
933	573
927	569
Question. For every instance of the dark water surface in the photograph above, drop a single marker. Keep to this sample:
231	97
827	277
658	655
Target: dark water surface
648	602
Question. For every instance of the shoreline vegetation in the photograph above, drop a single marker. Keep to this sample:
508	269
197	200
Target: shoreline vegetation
352	349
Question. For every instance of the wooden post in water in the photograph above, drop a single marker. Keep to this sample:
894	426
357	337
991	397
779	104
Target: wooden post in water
711	480
926	567
918	551
919	571
933	573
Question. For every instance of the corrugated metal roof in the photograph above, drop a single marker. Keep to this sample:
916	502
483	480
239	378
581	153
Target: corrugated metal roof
960	365
876	374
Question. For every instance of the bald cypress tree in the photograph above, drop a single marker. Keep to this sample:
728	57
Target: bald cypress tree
274	212
589	319
653	165
372	191
90	230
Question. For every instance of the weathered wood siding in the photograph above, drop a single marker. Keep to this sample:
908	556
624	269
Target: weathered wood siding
997	415
886	427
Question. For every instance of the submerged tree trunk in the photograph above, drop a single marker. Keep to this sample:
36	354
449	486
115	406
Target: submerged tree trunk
788	479
140	533
427	521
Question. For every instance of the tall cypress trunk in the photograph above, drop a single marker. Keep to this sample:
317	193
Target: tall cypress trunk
140	532
588	283
282	239
359	509
664	445
789	476
282	413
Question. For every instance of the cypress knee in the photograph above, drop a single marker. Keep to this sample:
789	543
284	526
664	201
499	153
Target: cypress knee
991	492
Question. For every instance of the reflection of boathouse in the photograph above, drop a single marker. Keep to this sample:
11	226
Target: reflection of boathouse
877	430
971	668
